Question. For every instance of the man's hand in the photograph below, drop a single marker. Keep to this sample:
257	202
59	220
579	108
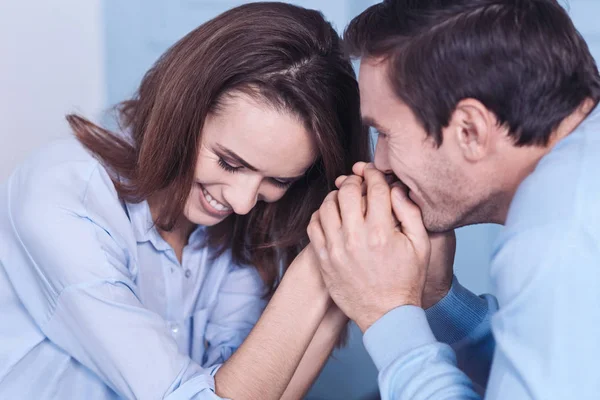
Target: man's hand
369	262
443	248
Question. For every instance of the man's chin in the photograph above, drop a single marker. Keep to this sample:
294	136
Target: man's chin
437	224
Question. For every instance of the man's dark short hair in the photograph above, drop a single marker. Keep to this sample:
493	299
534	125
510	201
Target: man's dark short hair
523	59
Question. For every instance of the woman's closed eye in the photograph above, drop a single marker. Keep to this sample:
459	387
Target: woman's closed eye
228	167
280	183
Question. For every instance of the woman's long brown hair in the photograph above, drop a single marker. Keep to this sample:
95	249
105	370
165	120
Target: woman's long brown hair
285	56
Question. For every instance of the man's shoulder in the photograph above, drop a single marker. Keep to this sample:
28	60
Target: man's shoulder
565	185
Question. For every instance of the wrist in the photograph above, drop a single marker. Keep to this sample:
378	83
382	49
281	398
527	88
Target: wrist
304	277
368	318
433	296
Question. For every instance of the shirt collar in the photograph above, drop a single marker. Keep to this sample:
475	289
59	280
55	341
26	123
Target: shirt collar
145	230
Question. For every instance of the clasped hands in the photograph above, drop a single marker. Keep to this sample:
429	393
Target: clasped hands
374	252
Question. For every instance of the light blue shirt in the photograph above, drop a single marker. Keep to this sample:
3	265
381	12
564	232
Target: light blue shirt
94	303
546	318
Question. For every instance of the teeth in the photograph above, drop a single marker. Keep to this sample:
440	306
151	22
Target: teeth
214	202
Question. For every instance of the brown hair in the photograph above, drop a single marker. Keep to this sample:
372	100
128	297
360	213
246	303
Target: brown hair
523	59
285	56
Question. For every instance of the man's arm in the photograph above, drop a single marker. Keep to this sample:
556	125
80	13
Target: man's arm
462	320
546	337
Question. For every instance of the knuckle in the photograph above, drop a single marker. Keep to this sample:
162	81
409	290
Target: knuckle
324	257
379	190
377	239
350	189
310	231
314	219
353	240
336	254
331	196
371	172
329	206
313	226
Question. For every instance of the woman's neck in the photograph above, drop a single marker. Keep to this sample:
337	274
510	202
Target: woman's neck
177	237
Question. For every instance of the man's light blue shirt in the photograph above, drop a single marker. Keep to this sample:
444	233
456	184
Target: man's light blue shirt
540	338
94	303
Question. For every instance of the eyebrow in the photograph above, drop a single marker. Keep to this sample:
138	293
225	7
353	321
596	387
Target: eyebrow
237	158
230	153
369	121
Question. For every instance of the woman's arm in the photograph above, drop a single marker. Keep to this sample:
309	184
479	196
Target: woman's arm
263	366
68	258
327	336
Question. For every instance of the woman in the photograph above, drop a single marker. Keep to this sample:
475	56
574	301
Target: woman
134	265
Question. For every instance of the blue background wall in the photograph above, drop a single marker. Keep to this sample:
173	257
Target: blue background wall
137	32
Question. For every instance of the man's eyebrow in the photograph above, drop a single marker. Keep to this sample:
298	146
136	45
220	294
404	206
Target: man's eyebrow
371	122
236	157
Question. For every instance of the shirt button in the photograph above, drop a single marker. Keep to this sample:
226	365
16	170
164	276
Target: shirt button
174	328
188	273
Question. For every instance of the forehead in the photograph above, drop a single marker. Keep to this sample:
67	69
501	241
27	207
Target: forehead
379	103
274	141
376	94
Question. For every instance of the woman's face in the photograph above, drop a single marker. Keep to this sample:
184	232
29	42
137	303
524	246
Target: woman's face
249	152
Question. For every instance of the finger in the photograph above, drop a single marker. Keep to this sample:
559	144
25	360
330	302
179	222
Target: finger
363	205
410	218
359	167
329	215
379	207
340	180
350	200
404	189
317	237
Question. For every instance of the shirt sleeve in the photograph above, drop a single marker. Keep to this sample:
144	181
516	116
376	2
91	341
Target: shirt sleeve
546	348
412	364
240	303
72	268
463	320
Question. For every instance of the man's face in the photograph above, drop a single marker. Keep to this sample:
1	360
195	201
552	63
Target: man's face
437	177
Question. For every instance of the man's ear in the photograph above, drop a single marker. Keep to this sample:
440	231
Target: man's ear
472	128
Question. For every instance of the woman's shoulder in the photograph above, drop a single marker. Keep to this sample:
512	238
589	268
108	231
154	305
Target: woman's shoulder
64	173
63	177
55	160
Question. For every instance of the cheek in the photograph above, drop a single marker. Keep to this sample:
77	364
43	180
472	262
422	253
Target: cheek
403	162
208	171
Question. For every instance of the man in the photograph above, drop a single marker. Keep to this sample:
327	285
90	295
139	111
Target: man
485	112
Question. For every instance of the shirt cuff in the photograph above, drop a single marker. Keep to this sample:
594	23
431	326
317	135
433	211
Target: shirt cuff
214	369
457	315
399	331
